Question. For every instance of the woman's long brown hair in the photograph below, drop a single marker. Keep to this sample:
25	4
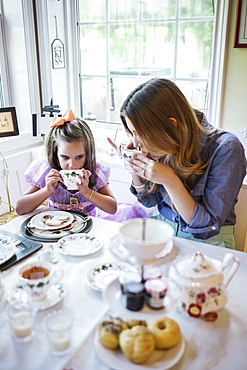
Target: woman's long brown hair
150	108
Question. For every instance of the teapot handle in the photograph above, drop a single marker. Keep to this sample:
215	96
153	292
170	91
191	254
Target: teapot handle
233	269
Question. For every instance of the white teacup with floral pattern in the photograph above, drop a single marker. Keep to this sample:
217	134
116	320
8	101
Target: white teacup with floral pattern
129	153
70	178
36	277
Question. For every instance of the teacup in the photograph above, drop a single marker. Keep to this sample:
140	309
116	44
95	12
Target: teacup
36	277
129	153
70	178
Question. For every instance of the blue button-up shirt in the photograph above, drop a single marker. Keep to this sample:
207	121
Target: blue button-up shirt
216	191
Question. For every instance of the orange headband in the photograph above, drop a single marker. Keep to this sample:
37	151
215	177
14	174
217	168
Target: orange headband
59	121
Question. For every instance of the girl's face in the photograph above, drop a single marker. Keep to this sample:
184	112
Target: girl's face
71	156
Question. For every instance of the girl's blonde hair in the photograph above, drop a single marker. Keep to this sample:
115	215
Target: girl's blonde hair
71	131
152	108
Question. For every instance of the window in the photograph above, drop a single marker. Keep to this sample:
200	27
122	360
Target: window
124	43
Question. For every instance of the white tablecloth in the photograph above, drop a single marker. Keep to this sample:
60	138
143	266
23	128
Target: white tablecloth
215	345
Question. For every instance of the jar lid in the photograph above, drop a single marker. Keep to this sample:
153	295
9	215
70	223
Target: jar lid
133	288
151	272
130	277
156	285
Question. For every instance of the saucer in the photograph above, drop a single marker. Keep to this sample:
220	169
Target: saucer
7	248
120	251
101	275
54	295
79	245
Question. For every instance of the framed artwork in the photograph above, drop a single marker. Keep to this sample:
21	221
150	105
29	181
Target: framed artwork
8	122
241	25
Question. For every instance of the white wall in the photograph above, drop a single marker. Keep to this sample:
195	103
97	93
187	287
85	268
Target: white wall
17	62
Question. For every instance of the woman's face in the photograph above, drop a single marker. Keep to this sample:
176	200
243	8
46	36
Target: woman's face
71	156
137	141
138	144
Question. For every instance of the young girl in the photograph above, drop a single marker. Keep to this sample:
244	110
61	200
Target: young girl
70	145
193	172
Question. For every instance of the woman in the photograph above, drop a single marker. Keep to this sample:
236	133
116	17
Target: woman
193	172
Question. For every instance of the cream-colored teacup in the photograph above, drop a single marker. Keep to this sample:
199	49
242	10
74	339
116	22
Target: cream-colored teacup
128	153
36	277
70	178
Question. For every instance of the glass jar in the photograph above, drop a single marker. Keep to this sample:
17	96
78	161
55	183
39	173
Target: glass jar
134	296
155	291
130	277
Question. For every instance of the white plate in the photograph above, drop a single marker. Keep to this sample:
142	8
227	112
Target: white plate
7	249
159	359
36	220
101	275
116	299
79	245
120	251
54	295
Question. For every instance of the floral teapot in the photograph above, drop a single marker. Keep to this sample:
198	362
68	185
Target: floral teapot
202	282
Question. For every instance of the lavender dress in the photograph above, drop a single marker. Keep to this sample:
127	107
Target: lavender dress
64	199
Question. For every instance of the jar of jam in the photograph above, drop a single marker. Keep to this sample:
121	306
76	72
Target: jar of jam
155	291
151	272
130	277
134	296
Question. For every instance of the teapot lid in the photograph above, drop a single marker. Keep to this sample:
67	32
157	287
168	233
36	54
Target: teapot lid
198	266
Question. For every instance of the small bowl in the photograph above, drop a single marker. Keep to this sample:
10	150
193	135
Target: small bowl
157	235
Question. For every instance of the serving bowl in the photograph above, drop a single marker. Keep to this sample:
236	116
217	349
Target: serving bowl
145	238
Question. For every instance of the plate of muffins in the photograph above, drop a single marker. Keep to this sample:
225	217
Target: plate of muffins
138	345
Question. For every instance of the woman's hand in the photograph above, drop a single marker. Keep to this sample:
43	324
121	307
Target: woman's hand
150	170
121	146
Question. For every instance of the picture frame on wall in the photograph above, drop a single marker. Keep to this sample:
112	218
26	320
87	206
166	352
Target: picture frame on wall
8	122
240	40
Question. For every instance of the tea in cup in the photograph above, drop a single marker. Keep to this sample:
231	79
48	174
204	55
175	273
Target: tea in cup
129	153
36	278
70	178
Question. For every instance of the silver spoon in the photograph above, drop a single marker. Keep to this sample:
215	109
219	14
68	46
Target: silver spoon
143	229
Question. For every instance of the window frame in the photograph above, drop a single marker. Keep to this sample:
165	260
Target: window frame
222	13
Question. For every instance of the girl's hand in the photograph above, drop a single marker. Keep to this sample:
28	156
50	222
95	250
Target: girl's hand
52	179
83	187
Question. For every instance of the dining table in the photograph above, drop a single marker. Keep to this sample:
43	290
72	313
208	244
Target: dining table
215	345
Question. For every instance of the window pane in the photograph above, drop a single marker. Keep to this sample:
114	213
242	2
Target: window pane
193	8
140	39
158	48
94	97
123	10
159	9
92	10
194	49
119	89
124	47
196	92
93	49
